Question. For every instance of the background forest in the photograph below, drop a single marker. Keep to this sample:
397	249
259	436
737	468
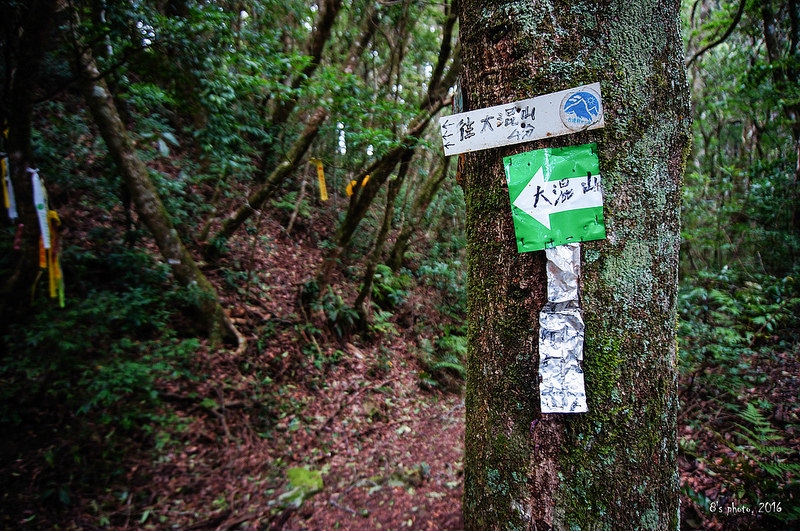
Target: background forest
258	321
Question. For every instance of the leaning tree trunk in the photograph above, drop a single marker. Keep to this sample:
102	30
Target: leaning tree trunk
271	183
615	466
147	201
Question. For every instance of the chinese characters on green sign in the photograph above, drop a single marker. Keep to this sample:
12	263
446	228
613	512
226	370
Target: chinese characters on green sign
556	203
556	197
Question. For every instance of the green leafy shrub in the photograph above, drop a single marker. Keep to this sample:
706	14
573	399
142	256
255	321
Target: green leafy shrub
339	314
763	471
448	278
390	290
443	362
107	347
115	385
725	318
733	325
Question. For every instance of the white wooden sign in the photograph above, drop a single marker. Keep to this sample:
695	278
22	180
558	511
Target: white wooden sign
559	113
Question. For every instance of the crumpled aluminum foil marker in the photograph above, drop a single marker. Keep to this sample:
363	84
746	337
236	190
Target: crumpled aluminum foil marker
561	332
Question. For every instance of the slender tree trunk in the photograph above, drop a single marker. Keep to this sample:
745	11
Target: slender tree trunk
326	16
362	300
147	201
420	205
445	72
614	467
286	168
379	172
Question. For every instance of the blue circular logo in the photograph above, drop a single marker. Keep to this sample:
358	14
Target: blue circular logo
581	109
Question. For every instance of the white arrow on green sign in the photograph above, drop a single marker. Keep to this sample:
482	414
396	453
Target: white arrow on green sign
555	196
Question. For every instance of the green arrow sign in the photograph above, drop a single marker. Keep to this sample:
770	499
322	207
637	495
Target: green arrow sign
555	196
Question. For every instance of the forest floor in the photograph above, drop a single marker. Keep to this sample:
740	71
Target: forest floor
310	431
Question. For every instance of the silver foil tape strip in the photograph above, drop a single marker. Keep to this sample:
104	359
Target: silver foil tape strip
561	329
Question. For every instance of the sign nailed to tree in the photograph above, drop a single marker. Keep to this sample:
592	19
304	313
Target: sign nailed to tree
556	203
555	196
556	114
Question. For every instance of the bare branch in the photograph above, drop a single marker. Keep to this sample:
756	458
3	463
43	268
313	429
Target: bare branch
735	22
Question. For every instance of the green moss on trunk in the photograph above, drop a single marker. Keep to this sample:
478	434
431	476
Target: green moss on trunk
614	467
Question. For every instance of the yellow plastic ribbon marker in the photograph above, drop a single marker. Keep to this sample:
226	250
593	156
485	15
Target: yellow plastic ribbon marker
353	184
6	201
42	255
323	189
9	201
53	260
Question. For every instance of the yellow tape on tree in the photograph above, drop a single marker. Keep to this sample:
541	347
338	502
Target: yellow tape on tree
353	184
6	200
54	258
323	190
42	255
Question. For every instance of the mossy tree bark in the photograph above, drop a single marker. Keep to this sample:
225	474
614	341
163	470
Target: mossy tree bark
615	466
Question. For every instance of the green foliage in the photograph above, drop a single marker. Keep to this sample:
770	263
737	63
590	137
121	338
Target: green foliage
443	360
303	484
764	471
150	105
288	202
449	279
339	314
728	312
758	444
389	290
381	324
733	329
383	363
61	145
739	295
740	204
125	391
106	349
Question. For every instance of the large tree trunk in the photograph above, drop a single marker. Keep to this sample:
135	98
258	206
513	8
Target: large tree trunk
615	466
328	10
147	201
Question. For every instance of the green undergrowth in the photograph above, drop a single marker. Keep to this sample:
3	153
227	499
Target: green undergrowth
94	372
438	322
738	342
